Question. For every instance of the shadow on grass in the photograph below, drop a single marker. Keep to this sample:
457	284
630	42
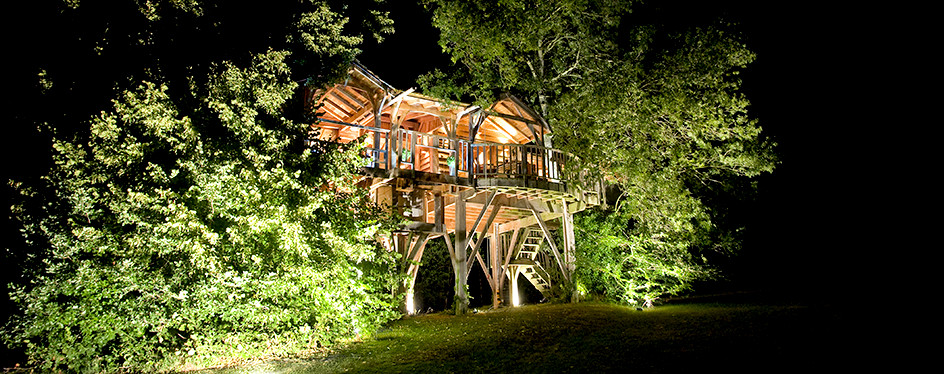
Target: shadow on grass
594	337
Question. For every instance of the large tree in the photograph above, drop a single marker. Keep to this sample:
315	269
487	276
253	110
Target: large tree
650	104
183	215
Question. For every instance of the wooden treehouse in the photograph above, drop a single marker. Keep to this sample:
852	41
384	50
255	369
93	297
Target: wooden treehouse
452	168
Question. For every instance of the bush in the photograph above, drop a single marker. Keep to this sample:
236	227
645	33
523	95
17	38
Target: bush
621	265
165	238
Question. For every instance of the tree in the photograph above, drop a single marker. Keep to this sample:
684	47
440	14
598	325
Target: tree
189	219
537	49
650	105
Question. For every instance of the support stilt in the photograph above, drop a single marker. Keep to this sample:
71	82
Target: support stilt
567	224
460	262
495	247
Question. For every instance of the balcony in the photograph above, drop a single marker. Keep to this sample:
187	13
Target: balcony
501	148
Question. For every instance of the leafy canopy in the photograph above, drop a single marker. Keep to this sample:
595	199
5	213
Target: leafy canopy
654	107
189	220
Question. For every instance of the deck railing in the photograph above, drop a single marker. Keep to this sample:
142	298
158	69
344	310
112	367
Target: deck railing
408	149
431	153
519	161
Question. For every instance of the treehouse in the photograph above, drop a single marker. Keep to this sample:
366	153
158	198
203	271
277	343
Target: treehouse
480	174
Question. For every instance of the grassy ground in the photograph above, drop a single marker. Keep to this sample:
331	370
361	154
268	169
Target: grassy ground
595	337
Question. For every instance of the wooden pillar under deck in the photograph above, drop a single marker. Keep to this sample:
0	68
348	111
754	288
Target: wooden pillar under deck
460	261
495	247
567	225
411	266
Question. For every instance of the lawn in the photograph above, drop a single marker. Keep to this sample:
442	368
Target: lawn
595	337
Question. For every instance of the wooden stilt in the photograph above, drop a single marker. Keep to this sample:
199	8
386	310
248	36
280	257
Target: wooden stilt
493	254
550	242
567	225
460	260
411	266
515	296
509	249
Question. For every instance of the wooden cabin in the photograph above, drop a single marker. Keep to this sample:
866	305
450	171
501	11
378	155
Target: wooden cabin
465	170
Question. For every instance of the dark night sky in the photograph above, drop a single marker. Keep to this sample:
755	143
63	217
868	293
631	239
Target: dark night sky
825	86
798	69
814	89
810	231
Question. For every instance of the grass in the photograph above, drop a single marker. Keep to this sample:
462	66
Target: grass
593	337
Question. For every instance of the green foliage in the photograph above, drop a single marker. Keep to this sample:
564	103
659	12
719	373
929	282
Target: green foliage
624	266
672	133
190	221
435	280
648	104
535	49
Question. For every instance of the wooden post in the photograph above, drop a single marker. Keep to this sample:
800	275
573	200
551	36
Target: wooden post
411	265
550	241
567	221
460	259
439	212
509	248
515	297
493	253
376	102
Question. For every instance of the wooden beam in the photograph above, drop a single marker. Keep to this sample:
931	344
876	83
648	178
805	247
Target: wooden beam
478	243
452	252
495	278
488	277
460	260
417	249
488	202
512	248
397	99
505	128
550	241
421	109
528	221
567	223
439	213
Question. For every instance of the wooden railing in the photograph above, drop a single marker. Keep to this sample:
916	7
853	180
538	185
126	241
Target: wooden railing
519	161
408	149
431	153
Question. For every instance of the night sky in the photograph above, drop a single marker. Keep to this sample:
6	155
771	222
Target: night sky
815	89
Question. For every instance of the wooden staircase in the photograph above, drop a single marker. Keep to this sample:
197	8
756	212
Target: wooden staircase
531	259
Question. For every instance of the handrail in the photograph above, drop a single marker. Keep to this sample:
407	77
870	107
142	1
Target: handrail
437	154
521	161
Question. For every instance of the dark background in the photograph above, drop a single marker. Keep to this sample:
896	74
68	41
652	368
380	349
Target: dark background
816	89
828	86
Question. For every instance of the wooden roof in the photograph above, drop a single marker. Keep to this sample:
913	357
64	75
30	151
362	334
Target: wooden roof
353	101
